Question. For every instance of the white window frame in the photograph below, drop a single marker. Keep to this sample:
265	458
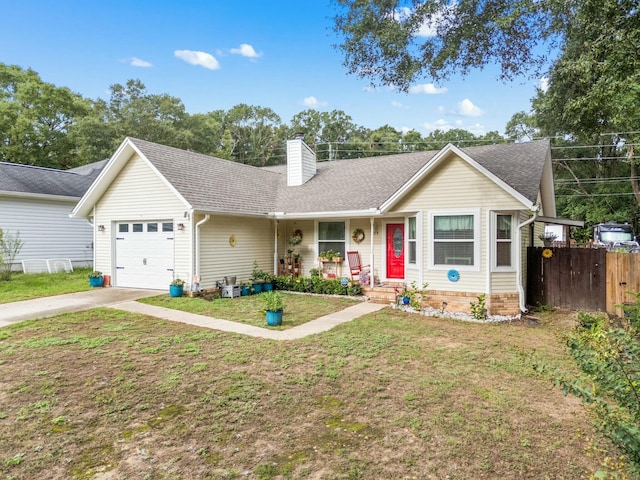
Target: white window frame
413	264
494	242
477	228
346	236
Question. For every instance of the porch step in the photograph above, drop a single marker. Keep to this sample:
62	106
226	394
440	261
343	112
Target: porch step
382	293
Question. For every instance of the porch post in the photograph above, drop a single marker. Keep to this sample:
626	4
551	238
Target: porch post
372	275
275	247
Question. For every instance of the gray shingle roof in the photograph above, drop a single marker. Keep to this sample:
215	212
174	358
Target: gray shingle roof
213	184
30	179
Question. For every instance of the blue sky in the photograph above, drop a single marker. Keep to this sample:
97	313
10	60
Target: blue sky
216	54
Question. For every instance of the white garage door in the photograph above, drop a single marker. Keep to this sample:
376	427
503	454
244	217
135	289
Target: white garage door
144	254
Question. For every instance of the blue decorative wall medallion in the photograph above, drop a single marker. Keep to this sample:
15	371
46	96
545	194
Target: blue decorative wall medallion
453	275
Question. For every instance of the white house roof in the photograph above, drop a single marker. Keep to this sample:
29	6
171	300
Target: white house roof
210	184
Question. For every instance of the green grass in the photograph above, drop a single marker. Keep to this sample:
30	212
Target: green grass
389	395
298	309
34	285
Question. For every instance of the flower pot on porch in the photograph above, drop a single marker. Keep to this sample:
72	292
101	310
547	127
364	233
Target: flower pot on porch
96	281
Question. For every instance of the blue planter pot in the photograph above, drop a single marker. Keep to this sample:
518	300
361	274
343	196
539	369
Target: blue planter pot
274	318
96	281
176	290
267	287
245	290
257	288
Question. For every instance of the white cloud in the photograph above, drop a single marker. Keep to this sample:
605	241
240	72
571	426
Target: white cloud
428	89
313	102
476	129
246	50
398	104
466	108
543	84
202	59
440	124
137	62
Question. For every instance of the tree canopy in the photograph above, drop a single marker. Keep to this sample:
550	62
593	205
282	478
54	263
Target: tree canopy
396	42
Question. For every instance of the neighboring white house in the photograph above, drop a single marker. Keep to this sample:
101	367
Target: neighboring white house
459	219
35	202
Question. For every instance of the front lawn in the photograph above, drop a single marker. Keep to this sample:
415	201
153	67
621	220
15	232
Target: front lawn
391	395
34	285
299	308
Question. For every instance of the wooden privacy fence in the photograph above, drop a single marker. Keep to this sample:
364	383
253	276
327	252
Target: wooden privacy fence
590	279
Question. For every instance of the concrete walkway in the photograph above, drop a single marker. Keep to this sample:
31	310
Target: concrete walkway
124	299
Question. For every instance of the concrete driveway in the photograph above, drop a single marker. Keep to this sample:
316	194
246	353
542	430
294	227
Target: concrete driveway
124	299
70	302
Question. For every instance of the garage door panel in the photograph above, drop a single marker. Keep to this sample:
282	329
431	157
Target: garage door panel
144	257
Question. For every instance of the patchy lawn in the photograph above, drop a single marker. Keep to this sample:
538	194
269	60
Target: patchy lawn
299	308
106	394
34	285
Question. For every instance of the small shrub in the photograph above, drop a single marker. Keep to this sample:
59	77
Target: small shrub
479	308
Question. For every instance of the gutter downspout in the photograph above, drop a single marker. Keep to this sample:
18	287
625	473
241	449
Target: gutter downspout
197	239
93	236
521	294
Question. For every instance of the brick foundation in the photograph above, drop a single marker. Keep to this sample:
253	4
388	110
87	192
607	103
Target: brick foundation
497	303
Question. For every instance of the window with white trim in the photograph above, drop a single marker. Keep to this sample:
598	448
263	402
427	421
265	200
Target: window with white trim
455	239
503	238
331	236
412	237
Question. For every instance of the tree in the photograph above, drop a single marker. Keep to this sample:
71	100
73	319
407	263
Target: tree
253	129
395	42
131	112
35	120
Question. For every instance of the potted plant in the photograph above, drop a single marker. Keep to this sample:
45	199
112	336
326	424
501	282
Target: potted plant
245	288
547	238
274	307
96	279
267	285
176	288
257	277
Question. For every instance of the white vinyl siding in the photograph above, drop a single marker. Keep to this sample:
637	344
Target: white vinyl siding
46	230
457	186
139	194
254	241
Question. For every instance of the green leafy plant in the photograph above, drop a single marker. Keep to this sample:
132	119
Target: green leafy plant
415	294
273	301
177	282
479	308
95	274
258	275
294	240
330	254
10	246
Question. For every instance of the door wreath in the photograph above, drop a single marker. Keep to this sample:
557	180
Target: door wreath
357	235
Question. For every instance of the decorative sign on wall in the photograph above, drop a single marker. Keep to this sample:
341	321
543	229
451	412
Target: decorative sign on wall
232	240
453	275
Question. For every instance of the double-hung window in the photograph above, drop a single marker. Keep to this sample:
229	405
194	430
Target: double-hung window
455	239
412	238
503	241
331	236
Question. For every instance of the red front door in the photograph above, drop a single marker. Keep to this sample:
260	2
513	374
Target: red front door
395	250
